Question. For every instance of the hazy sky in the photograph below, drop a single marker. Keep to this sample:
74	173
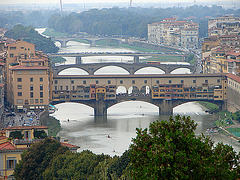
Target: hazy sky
100	1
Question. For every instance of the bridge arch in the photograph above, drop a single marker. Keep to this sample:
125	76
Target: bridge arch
111	70
178	70
73	71
149	70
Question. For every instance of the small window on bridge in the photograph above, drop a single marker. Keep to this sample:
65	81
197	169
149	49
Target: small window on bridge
55	82
206	81
72	81
84	82
182	81
145	81
133	81
121	81
55	87
218	80
97	82
157	82
194	81
66	88
170	81
109	82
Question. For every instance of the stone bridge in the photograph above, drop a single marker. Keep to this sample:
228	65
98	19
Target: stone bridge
92	41
165	106
166	91
130	68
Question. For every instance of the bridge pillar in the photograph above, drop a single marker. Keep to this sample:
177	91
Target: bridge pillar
166	107
63	44
223	106
100	108
93	44
167	70
136	59
78	60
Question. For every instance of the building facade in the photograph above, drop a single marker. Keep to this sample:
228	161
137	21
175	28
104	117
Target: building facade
174	33
29	77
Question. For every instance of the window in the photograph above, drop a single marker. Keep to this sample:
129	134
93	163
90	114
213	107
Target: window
84	82
133	81
61	88
31	79
19	101
97	82
41	87
11	163
31	101
55	82
19	86
73	88
11	55
182	81
121	81
157	82
31	94
206	81
55	87
19	79
22	47
41	100
36	100
13	48
145	81
170	81
31	87
109	82
194	81
41	94
41	79
72	81
218	80
19	93
66	88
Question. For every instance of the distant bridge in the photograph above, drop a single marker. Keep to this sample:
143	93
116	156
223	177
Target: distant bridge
131	68
92	41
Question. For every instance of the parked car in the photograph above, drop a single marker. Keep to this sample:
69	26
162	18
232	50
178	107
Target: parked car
11	114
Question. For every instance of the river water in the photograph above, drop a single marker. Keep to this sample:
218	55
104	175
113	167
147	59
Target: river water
114	135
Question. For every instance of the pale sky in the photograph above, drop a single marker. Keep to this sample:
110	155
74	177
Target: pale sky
103	1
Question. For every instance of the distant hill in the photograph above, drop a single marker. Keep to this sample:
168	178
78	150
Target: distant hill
30	35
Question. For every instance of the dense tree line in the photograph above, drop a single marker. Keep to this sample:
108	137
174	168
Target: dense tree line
168	150
132	21
30	35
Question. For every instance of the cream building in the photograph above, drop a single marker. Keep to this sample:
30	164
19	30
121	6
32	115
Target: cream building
29	77
174	33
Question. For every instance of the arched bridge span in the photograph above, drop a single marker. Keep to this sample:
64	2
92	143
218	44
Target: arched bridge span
130	68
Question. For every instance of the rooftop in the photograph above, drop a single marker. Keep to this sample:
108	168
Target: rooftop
21	67
234	77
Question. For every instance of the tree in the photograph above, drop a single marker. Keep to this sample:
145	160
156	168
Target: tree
40	134
171	150
37	158
16	135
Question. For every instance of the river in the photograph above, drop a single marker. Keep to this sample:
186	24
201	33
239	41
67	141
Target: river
114	135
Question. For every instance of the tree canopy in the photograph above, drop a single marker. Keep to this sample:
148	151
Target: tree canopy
30	35
171	150
37	158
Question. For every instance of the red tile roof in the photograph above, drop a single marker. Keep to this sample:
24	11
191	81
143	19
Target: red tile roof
7	146
26	127
21	67
234	77
69	145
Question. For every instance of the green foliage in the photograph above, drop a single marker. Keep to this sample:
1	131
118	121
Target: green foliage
16	134
73	165
53	124
36	159
57	59
236	116
40	134
210	106
170	150
191	59
30	35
